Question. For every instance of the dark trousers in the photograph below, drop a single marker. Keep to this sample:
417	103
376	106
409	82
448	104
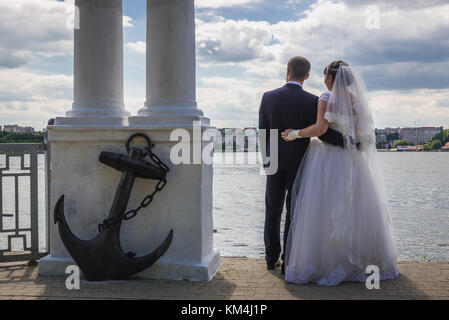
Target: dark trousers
278	186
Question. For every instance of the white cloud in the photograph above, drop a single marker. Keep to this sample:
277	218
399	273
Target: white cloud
232	102
36	27
18	85
33	27
214	4
30	28
402	108
227	41
408	52
334	30
31	99
139	46
329	30
402	4
127	22
13	58
233	41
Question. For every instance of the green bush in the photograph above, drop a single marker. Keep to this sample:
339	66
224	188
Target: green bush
403	143
435	145
443	137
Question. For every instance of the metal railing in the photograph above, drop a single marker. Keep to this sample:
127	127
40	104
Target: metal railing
19	221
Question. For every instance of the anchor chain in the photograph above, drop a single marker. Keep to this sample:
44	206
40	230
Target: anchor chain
147	200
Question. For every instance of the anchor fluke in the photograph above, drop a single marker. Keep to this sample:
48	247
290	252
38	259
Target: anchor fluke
68	238
59	209
156	254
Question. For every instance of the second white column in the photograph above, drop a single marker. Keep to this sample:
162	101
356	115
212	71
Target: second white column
171	65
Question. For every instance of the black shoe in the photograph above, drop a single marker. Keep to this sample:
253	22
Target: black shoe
273	266
283	268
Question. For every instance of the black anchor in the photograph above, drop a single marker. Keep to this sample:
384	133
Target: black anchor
102	258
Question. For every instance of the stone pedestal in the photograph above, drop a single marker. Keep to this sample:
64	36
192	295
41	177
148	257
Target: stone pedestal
185	205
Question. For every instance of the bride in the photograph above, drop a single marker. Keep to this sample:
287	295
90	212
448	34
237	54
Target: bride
340	217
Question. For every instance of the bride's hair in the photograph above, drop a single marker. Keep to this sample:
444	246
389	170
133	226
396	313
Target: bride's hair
332	69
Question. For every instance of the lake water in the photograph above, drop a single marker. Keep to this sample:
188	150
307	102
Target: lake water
417	185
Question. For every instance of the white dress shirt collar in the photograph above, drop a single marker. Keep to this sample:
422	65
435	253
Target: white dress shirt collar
295	82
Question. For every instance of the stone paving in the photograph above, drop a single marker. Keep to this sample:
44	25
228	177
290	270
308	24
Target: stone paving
238	278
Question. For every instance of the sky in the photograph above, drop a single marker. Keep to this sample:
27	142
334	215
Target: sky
400	47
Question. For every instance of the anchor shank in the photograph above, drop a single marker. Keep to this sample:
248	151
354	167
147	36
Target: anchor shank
121	199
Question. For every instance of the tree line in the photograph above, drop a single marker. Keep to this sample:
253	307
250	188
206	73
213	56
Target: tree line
438	141
10	137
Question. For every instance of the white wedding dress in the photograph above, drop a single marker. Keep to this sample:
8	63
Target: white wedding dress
340	216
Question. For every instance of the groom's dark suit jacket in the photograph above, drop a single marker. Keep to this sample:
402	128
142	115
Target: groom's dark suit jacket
290	107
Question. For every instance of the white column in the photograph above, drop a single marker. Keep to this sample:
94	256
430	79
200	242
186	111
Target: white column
98	67
171	67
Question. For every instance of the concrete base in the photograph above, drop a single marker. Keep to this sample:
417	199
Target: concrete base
54	266
185	205
162	270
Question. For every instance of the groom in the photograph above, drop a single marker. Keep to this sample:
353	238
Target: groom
287	107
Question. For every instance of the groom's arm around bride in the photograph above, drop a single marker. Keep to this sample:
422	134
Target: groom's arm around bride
287	107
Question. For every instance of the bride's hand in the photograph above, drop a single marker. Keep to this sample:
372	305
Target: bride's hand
286	133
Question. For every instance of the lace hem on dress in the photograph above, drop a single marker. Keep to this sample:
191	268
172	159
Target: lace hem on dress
337	276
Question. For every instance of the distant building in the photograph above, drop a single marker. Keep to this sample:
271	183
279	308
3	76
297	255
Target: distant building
236	139
381	138
419	135
392	130
17	129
